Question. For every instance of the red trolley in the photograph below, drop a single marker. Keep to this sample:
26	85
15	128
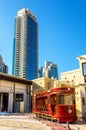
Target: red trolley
56	104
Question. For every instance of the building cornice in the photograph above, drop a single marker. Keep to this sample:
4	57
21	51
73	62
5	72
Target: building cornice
11	78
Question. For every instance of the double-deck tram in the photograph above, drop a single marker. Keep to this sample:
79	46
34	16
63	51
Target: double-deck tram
56	104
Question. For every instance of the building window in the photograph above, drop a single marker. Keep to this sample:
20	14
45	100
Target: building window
85	90
84	69
19	97
65	78
83	101
85	79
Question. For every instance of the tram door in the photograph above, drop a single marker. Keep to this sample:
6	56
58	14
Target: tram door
54	103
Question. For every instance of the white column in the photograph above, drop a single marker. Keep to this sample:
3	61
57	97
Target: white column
25	98
1	101
10	102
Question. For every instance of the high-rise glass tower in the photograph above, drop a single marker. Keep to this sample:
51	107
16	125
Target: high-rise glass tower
3	67
25	49
50	70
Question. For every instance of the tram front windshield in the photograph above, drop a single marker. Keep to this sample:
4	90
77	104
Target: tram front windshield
66	99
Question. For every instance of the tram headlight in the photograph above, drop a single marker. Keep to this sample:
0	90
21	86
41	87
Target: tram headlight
69	111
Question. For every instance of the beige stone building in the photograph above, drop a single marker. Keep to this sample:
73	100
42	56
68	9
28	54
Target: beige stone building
15	94
43	83
78	77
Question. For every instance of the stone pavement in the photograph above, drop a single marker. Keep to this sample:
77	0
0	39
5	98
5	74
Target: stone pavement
21	123
78	126
29	122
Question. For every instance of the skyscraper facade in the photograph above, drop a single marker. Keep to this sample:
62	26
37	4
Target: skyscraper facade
25	49
3	67
40	72
49	70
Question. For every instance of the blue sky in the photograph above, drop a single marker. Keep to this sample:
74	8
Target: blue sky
62	30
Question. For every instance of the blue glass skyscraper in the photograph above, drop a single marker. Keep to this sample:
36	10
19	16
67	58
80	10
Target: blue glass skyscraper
25	49
50	70
3	67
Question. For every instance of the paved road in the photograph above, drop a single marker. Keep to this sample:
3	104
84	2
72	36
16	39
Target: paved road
28	122
78	126
22	124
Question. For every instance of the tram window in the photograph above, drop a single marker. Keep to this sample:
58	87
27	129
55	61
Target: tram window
68	100
53	99
61	99
46	101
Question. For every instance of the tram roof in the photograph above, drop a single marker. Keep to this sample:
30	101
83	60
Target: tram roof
54	91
